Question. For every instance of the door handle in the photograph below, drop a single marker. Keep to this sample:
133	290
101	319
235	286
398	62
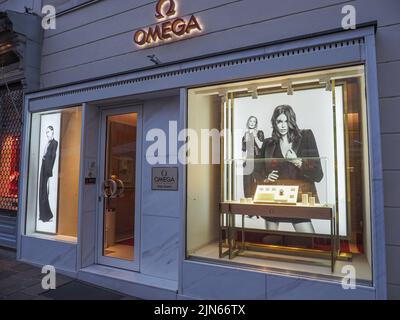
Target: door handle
120	188
113	188
109	188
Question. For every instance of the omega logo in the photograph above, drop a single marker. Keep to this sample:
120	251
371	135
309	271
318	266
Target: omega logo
164	180
168	30
171	11
164	177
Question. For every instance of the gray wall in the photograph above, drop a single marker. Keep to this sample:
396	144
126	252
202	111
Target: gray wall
36	5
63	5
97	40
388	51
19	5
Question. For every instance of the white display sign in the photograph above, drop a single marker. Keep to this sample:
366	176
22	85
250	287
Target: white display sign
49	146
90	171
276	194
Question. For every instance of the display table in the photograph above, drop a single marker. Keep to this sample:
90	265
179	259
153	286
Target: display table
229	210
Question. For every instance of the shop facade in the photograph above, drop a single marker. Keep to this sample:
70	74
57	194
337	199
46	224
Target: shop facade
20	38
239	164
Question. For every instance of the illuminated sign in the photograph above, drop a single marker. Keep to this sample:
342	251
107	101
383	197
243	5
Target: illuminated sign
174	28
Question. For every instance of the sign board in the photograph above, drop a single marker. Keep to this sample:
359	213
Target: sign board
164	179
90	171
170	27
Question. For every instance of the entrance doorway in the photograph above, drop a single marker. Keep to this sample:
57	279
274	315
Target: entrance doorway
119	210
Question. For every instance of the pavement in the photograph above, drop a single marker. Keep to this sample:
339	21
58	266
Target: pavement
20	281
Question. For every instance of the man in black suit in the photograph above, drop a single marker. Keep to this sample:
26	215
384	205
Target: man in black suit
46	172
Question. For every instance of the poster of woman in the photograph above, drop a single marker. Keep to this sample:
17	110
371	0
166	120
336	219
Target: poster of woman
301	166
293	141
46	217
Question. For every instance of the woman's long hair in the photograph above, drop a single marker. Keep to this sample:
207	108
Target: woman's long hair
294	132
248	121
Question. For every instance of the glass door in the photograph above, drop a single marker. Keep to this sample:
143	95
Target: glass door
119	216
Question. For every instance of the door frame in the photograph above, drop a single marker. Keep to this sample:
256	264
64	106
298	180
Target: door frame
100	258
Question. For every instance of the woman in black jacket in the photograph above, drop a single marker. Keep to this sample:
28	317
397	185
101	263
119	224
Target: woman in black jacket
301	167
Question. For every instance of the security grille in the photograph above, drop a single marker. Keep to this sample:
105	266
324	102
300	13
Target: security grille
11	101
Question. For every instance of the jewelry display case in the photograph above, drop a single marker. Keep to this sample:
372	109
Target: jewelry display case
230	210
291	198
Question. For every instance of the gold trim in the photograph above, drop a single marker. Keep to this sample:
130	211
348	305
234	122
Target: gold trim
222	153
233	170
313	253
335	144
282	259
292	251
347	159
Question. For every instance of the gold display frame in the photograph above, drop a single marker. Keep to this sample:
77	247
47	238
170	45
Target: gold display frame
229	210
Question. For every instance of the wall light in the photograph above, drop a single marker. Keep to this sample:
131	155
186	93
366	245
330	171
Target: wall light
328	83
223	95
290	90
328	86
254	92
153	58
289	86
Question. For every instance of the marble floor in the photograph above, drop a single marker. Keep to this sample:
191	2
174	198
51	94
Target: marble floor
120	251
56	237
290	264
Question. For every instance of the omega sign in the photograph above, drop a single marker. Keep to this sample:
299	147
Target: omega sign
172	29
164	179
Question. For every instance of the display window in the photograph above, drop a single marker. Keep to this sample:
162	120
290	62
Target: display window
54	165
290	190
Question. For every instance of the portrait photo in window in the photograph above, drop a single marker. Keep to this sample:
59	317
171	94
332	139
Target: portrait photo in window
290	139
47	200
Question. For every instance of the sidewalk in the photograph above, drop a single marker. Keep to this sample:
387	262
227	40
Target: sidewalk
20	281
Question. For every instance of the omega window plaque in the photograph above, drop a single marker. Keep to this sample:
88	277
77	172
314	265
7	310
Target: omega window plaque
164	179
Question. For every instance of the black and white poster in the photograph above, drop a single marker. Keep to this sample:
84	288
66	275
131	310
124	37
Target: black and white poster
49	155
306	120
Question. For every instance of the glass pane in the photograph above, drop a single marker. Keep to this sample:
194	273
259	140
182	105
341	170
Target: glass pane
54	166
283	178
119	208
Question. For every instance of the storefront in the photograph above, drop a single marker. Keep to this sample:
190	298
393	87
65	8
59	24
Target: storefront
20	37
252	174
